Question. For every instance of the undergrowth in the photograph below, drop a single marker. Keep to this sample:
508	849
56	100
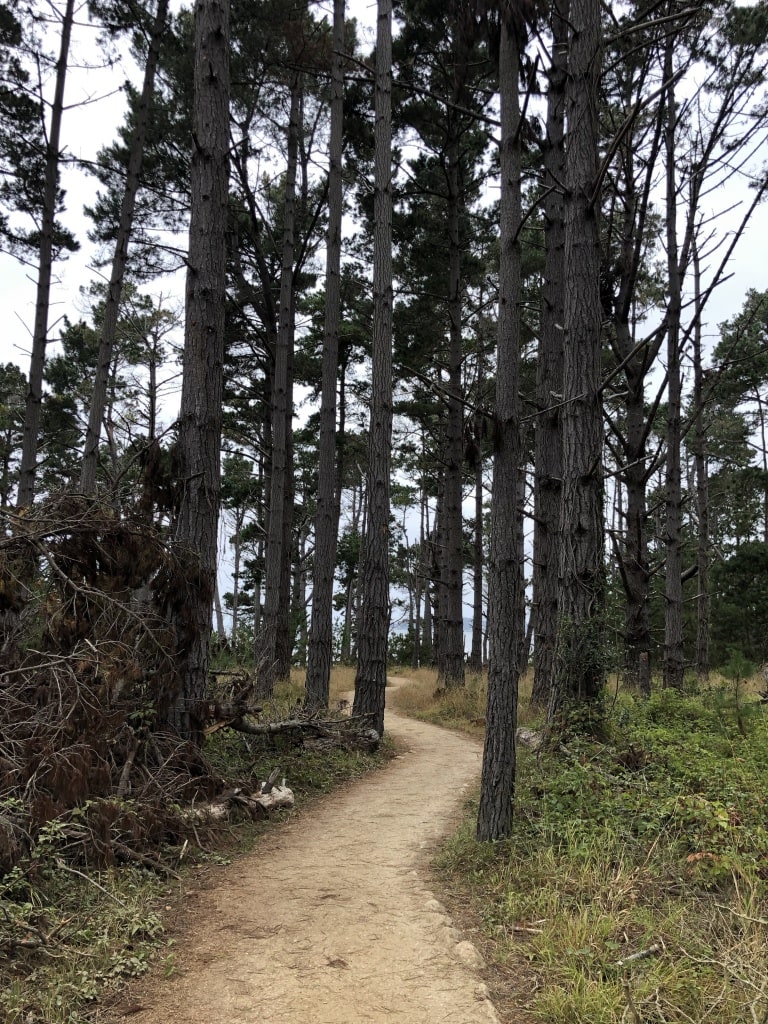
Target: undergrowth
70	934
635	886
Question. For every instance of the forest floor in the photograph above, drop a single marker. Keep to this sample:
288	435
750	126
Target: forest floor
331	920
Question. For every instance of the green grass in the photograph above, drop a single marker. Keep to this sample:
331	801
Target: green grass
655	840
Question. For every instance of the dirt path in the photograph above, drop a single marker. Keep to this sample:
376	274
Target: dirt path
331	920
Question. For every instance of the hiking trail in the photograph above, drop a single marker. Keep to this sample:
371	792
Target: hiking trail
330	920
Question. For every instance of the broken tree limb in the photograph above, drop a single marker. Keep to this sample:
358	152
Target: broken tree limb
641	954
355	731
278	796
269	797
224	715
269	785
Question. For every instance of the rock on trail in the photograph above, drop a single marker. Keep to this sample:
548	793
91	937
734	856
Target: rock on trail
331	920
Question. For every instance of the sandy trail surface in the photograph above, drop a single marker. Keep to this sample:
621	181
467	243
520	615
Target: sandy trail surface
331	919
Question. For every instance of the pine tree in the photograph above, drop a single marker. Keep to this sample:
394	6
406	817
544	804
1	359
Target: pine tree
200	416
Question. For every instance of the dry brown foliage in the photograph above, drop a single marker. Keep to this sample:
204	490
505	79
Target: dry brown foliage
86	661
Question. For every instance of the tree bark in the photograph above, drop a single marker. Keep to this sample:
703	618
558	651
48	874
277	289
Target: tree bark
373	632
277	549
199	445
505	575
580	668
549	375
674	659
451	660
476	653
320	653
120	258
32	413
702	485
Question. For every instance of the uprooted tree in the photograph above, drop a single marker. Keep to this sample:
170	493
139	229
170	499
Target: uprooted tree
88	665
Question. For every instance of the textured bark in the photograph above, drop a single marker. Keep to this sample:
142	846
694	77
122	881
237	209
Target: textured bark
427	644
199	445
699	445
580	654
373	632
674	660
278	544
549	376
299	595
32	412
219	613
634	567
120	257
505	576
451	650
476	653
440	613
421	580
327	521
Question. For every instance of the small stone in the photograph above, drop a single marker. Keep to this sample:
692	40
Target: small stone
469	955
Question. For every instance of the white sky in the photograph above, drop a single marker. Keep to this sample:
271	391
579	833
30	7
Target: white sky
87	128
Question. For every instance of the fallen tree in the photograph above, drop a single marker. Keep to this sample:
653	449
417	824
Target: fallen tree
85	656
353	732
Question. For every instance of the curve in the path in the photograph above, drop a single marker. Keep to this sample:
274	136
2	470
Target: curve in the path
331	920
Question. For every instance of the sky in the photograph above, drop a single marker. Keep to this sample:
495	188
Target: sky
95	108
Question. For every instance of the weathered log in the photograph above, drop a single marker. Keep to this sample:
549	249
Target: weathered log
268	797
224	715
354	731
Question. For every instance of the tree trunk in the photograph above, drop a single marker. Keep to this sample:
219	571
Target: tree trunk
451	662
674	659
580	666
634	567
28	467
476	654
420	580
299	597
505	576
238	551
120	257
219	613
277	551
373	632
702	485
200	417
320	654
549	376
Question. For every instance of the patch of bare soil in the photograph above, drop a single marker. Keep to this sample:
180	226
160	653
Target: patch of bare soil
331	920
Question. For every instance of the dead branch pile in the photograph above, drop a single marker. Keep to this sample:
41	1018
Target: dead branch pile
312	731
87	660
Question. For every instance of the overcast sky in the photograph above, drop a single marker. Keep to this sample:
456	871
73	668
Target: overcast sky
87	127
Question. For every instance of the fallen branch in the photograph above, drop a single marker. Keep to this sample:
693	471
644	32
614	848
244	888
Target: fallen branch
356	730
744	917
641	954
527	929
125	775
144	860
631	1009
87	878
269	797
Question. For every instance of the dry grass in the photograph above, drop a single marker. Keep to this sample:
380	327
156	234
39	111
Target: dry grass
462	708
